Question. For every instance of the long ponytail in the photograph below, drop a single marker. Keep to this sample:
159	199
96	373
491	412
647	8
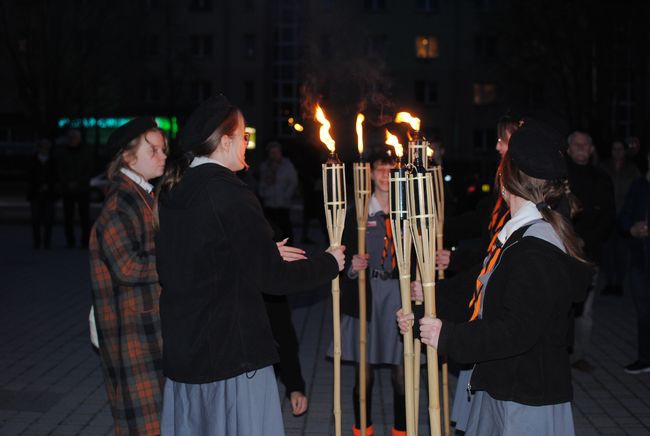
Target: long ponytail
550	196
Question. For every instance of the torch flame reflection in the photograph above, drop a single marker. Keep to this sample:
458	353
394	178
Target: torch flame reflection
405	117
360	119
392	140
325	136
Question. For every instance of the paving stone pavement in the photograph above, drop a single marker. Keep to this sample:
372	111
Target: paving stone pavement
51	384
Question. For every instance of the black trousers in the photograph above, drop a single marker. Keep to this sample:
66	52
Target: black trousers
82	201
42	208
277	307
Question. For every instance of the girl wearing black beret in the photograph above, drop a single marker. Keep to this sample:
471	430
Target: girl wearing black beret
216	256
517	338
125	281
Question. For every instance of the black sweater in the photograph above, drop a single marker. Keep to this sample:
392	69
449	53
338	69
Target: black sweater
215	256
520	344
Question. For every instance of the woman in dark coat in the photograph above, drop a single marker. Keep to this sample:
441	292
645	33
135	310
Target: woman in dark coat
125	281
216	256
518	334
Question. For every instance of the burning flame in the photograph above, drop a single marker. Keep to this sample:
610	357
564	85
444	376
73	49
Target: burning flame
430	152
392	140
405	117
325	136
360	119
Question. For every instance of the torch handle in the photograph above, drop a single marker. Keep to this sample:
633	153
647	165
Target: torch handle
432	364
405	290
417	354
336	320
363	335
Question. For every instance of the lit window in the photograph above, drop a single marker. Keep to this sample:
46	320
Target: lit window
426	91
485	93
426	47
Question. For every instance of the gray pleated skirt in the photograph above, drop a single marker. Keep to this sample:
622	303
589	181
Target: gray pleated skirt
462	400
384	343
246	405
494	417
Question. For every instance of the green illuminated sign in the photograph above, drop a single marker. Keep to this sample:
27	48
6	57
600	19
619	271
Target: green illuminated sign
168	124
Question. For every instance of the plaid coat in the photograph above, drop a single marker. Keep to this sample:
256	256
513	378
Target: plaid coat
126	297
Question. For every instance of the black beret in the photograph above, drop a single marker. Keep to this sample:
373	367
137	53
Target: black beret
536	149
204	121
128	132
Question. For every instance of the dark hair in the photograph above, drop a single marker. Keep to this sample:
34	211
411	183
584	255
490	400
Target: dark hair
552	193
130	148
175	170
508	124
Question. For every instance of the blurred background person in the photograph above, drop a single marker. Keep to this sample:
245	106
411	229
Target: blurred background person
41	193
278	182
615	254
593	223
75	167
634	220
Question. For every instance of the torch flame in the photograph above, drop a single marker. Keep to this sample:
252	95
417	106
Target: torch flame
325	136
392	140
360	119
430	152
405	117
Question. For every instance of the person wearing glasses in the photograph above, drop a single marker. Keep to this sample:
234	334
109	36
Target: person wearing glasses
216	256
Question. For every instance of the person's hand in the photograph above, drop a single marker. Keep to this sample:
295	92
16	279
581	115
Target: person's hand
416	291
299	403
442	258
289	254
404	322
359	262
639	229
337	252
430	330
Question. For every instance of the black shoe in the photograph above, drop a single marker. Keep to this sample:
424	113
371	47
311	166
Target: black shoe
582	365
637	367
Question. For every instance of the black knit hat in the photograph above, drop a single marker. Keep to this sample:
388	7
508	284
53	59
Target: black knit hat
128	132
536	149
204	121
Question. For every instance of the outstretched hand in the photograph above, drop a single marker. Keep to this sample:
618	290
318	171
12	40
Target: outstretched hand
288	253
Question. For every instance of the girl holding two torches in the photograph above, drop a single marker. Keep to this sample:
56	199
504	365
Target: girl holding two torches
518	340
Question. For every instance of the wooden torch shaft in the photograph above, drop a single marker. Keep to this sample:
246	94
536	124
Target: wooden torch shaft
432	365
336	320
363	347
405	290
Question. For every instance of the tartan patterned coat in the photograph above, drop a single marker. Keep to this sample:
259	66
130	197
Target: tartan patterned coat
126	297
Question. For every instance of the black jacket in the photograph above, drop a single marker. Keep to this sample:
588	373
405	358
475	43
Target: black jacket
215	256
520	344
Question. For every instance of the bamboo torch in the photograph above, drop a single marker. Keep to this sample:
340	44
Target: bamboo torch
402	240
439	189
334	196
362	190
415	162
422	214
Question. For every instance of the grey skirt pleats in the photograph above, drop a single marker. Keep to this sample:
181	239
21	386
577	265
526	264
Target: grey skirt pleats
246	405
506	418
384	343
